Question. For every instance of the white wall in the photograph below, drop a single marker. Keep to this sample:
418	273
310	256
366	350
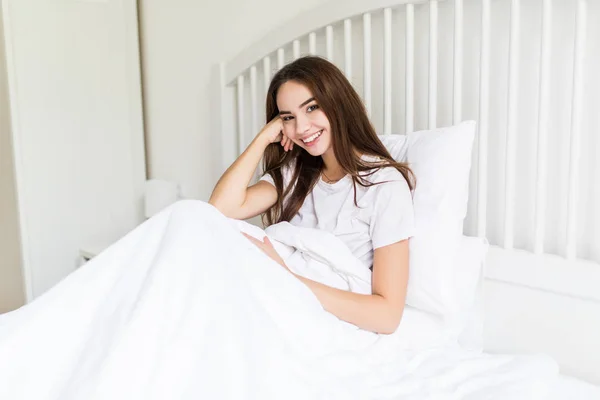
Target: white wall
182	41
75	96
12	294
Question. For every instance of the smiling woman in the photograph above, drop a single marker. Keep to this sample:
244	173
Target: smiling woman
326	118
319	127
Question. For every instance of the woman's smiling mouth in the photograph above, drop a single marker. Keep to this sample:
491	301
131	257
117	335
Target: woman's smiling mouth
309	141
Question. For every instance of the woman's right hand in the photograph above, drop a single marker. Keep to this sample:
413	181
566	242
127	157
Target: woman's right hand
273	133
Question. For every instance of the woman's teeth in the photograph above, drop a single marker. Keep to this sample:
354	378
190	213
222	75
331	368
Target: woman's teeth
313	137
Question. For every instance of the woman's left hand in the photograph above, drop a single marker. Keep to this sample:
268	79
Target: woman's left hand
267	248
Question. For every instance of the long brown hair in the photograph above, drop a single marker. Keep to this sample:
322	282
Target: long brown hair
352	135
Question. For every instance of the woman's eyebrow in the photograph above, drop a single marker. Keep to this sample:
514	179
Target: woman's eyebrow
301	105
306	102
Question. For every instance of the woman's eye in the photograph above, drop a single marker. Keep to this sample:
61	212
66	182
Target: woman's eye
286	119
312	108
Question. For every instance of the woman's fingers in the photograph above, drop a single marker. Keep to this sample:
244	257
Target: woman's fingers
268	242
287	143
283	142
253	240
262	243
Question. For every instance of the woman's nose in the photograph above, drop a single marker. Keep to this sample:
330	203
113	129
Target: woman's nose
302	125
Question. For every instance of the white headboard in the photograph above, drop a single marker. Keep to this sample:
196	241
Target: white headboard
525	70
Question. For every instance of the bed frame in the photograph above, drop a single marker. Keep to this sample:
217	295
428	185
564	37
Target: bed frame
524	71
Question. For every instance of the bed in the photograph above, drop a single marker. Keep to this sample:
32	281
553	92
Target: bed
170	311
525	72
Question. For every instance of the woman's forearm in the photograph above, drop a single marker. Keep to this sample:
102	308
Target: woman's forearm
230	192
373	312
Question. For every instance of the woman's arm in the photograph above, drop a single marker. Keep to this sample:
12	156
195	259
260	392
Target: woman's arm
382	311
231	195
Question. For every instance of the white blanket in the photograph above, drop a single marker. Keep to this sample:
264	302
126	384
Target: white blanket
315	254
185	307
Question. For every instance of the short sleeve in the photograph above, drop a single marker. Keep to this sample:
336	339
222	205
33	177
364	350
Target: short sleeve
393	213
267	178
286	173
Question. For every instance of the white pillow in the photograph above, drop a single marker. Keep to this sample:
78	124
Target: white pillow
441	162
466	323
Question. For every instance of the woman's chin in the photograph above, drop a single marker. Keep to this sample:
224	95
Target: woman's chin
317	150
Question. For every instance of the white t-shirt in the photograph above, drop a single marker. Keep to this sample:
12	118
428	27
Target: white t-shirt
384	214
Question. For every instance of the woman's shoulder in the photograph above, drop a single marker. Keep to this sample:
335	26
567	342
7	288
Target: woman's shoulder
388	174
380	175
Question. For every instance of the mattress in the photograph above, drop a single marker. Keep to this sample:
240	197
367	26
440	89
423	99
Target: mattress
570	388
564	388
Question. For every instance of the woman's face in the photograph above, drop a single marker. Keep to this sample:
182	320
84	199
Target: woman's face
303	120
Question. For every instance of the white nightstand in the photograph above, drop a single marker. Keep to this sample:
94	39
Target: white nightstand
91	250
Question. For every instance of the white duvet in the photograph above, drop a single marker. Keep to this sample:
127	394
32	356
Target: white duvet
185	307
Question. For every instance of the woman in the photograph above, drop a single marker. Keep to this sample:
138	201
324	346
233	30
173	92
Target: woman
327	169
